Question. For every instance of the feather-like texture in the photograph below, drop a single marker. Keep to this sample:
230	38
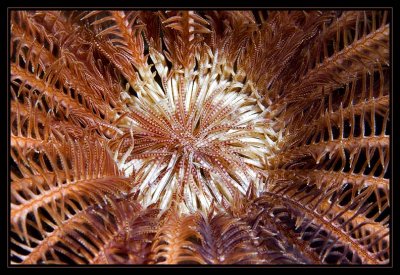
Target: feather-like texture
200	137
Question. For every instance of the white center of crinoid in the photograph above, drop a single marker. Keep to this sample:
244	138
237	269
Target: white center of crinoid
200	136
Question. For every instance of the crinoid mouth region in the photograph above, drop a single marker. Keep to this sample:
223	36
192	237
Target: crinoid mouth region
199	135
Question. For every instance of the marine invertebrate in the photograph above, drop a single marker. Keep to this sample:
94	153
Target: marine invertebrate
211	137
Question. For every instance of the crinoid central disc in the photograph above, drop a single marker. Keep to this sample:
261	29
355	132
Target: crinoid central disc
200	136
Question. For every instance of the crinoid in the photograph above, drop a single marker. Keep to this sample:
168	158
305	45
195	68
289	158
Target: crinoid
200	137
